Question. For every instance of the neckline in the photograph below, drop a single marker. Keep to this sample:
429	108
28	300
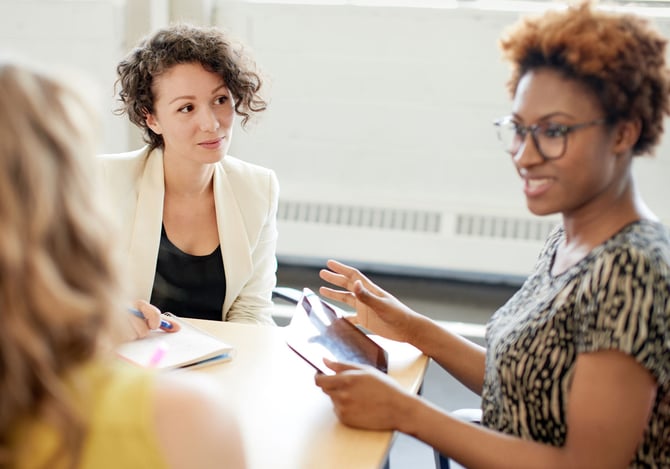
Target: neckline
186	254
560	236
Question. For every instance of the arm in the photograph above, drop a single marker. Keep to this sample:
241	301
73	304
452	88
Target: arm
195	429
610	403
383	314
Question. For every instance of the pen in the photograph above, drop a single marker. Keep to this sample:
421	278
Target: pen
164	324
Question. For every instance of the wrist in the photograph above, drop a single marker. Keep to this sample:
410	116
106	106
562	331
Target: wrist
415	328
407	414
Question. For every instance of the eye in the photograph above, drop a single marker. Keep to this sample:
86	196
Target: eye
185	109
552	130
221	99
518	129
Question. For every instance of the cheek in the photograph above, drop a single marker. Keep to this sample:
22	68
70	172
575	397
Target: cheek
227	116
591	169
181	127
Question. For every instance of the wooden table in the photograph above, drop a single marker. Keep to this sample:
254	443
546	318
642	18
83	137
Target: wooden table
286	420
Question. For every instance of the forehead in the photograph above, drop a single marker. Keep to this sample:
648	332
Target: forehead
543	92
186	79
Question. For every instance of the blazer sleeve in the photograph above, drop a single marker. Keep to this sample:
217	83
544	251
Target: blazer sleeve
254	302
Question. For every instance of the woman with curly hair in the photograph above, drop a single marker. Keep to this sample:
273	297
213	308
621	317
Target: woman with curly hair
576	370
65	400
199	225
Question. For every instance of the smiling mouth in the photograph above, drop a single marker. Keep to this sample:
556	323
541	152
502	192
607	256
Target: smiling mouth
535	183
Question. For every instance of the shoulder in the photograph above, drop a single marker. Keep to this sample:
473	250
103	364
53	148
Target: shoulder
235	168
194	424
634	264
625	296
117	167
251	183
640	250
128	157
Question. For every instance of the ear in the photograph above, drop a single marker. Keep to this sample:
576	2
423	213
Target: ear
626	136
152	123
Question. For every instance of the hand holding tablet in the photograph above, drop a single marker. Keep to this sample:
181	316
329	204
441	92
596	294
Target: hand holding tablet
317	331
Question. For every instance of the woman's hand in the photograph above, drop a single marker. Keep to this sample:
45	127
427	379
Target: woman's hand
363	397
376	310
152	320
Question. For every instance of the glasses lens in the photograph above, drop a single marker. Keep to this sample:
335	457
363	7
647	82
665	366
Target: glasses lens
550	140
508	134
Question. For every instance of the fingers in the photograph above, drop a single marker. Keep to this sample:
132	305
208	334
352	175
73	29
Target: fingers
168	325
345	276
340	366
330	383
154	319
342	276
364	295
152	315
334	278
338	295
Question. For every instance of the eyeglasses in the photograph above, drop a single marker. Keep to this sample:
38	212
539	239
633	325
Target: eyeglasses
550	138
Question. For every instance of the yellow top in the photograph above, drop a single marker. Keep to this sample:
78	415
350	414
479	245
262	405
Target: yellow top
116	401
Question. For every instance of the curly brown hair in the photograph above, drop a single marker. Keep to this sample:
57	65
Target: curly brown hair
619	56
184	43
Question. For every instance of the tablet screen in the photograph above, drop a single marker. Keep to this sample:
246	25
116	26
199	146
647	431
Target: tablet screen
317	331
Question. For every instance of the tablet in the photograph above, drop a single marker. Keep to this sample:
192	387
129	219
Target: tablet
317	331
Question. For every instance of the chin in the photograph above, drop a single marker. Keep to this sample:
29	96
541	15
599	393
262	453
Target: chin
540	210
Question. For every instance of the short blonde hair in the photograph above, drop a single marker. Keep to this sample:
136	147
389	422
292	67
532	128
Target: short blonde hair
59	289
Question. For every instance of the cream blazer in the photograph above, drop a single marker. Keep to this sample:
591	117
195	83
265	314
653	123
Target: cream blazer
245	197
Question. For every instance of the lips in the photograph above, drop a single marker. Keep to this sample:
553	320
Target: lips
536	186
212	144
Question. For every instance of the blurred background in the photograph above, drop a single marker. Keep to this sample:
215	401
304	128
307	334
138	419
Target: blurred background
379	129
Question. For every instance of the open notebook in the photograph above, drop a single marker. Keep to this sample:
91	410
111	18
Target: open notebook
190	347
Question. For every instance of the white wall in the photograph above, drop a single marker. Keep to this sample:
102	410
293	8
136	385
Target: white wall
85	36
381	113
380	124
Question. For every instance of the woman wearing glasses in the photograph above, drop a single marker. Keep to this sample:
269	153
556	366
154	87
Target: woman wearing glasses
576	372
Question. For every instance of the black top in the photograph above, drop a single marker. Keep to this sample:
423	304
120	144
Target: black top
187	285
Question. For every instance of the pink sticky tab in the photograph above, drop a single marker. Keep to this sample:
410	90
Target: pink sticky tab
157	356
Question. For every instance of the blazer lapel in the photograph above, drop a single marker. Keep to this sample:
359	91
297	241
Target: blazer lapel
233	237
147	226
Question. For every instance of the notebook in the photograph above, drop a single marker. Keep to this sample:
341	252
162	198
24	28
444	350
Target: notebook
316	331
190	347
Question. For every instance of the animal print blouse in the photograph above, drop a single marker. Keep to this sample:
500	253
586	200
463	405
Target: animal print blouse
617	297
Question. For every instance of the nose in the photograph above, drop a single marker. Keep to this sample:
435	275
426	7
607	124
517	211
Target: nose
209	121
528	153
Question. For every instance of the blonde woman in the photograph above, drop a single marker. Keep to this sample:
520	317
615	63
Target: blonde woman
65	402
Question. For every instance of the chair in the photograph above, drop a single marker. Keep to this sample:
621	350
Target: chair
289	297
469	415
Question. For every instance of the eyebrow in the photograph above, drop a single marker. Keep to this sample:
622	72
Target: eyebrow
189	96
546	116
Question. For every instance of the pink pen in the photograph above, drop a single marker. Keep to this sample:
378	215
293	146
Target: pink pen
157	356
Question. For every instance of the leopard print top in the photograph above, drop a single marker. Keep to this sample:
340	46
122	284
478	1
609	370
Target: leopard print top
617	297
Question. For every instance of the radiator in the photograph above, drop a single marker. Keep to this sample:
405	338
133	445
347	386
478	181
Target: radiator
380	131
